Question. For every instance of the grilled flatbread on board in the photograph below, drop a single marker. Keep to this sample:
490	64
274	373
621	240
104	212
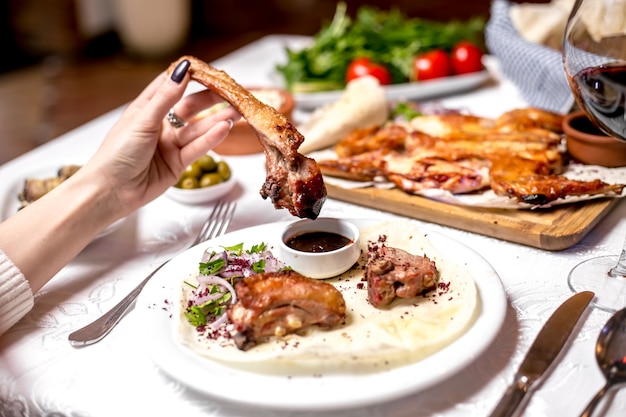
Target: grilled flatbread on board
371	339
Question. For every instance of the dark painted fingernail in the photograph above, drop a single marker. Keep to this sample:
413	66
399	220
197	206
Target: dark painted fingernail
179	72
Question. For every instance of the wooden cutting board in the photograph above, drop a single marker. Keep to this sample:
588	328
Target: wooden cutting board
555	228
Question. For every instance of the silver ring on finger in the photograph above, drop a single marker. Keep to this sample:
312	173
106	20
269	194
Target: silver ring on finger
174	120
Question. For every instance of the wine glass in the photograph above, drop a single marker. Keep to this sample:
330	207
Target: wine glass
594	59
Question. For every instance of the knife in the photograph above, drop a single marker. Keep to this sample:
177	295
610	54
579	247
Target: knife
544	349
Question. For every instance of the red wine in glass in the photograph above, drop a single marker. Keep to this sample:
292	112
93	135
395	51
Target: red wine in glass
601	91
594	60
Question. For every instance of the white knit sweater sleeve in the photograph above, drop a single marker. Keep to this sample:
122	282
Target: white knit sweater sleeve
16	296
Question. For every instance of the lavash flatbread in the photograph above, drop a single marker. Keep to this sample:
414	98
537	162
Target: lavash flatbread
371	339
362	104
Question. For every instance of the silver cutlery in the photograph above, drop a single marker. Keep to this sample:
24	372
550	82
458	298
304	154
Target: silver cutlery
544	350
610	354
215	225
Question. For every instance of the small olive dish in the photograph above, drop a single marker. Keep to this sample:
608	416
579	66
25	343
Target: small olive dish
321	248
205	180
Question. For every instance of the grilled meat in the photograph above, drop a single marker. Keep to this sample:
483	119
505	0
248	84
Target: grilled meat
542	189
276	304
393	272
516	155
293	181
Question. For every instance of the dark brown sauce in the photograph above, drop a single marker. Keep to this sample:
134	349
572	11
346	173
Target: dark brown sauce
317	242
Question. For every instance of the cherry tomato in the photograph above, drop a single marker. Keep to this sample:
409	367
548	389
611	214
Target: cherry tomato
361	67
466	58
430	65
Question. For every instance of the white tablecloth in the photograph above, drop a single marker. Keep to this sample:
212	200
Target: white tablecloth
41	374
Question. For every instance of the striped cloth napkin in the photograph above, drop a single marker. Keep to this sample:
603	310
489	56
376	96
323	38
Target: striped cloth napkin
537	70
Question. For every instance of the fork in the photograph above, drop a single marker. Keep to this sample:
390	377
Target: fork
215	225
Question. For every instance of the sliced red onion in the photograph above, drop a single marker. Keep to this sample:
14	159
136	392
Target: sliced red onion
213	279
202	295
219	321
235	266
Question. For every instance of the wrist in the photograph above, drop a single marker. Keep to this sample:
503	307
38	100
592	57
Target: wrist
95	200
58	226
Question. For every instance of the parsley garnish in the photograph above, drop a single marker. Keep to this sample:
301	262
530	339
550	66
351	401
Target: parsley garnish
212	267
241	263
235	249
388	37
197	315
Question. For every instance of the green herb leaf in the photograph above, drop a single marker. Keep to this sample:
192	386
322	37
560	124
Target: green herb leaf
212	267
195	316
260	248
236	249
198	315
404	110
259	267
385	36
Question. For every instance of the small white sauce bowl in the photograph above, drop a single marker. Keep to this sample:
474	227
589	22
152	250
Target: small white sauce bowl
321	265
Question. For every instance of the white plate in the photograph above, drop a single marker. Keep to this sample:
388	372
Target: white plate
409	91
203	195
12	185
157	320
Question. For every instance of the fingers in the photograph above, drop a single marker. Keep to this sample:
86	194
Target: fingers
196	106
196	114
202	127
165	93
210	139
181	119
161	95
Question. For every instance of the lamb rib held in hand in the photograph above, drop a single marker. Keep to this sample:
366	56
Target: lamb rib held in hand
293	181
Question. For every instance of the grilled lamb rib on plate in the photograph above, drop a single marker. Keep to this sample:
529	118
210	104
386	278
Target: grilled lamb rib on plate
393	272
293	181
278	303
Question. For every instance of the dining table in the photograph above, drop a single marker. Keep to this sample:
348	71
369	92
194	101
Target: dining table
42	374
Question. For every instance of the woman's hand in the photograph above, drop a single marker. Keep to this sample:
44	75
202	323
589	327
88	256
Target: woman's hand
144	154
141	156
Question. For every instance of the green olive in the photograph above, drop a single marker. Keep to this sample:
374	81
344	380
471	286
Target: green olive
207	163
210	179
188	183
223	170
192	171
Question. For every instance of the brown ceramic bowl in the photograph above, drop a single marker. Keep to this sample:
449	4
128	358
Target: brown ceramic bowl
587	144
242	139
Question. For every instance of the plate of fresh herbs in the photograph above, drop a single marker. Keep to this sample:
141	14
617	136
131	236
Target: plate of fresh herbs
316	74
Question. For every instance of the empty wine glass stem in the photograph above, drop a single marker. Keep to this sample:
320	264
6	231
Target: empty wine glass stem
619	271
